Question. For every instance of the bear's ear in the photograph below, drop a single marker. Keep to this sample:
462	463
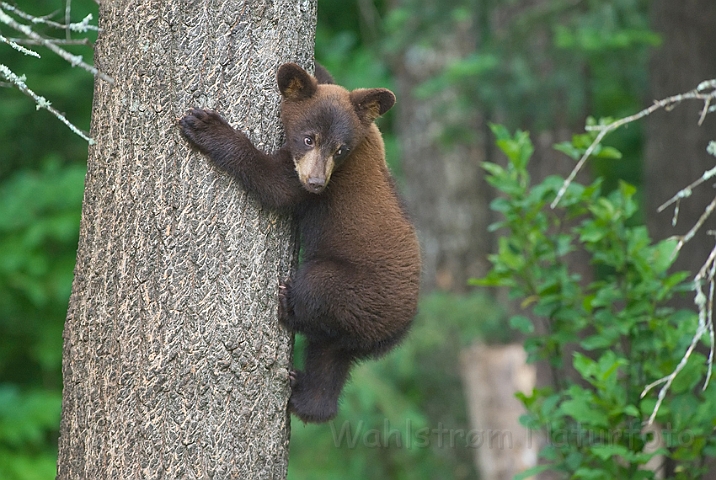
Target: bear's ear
294	82
372	103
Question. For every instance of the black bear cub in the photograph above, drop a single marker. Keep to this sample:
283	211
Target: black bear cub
355	293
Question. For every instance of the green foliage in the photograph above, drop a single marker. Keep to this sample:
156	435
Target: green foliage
41	184
26	453
591	57
618	327
581	142
39	225
393	410
542	65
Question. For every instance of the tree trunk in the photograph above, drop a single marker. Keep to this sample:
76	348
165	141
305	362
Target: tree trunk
174	363
675	152
676	144
492	375
444	183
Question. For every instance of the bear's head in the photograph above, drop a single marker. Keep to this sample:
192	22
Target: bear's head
325	123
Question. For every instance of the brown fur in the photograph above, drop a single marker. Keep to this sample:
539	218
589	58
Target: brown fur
355	292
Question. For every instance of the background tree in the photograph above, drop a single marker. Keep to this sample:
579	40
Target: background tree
675	150
173	359
442	139
537	65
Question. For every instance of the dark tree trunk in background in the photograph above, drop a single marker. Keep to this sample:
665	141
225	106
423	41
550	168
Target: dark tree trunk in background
675	144
174	363
444	182
675	153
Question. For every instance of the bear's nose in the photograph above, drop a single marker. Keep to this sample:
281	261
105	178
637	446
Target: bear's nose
316	183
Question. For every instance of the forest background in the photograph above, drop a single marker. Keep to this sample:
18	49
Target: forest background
456	66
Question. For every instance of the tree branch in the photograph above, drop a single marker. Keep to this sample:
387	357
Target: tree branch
41	101
699	93
56	41
74	60
83	26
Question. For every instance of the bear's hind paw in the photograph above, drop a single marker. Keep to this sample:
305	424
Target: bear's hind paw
285	312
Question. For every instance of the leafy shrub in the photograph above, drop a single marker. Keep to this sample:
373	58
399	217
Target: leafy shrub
619	328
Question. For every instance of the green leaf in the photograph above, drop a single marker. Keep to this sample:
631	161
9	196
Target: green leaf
609	153
691	374
606	452
500	131
632	411
584	365
532	472
602	340
591	232
581	407
627	190
518	148
522	324
608	365
570	150
493	169
550	404
663	255
592	474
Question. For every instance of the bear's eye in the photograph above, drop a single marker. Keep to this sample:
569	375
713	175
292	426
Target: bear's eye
308	141
341	152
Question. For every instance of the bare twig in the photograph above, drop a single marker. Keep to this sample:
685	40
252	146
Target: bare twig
705	304
68	11
692	231
13	80
686	192
699	93
82	26
18	47
669	379
40	101
26	16
74	60
56	41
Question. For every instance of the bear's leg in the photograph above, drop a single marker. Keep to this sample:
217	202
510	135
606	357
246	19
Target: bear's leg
328	298
316	389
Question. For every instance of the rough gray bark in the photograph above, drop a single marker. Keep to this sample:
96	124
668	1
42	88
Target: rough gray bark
174	363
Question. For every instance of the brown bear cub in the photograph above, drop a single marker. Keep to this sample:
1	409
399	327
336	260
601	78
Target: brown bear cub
356	291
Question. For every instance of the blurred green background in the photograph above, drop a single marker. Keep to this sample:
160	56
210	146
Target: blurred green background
542	66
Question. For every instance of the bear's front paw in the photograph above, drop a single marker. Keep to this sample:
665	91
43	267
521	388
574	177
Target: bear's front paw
205	129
